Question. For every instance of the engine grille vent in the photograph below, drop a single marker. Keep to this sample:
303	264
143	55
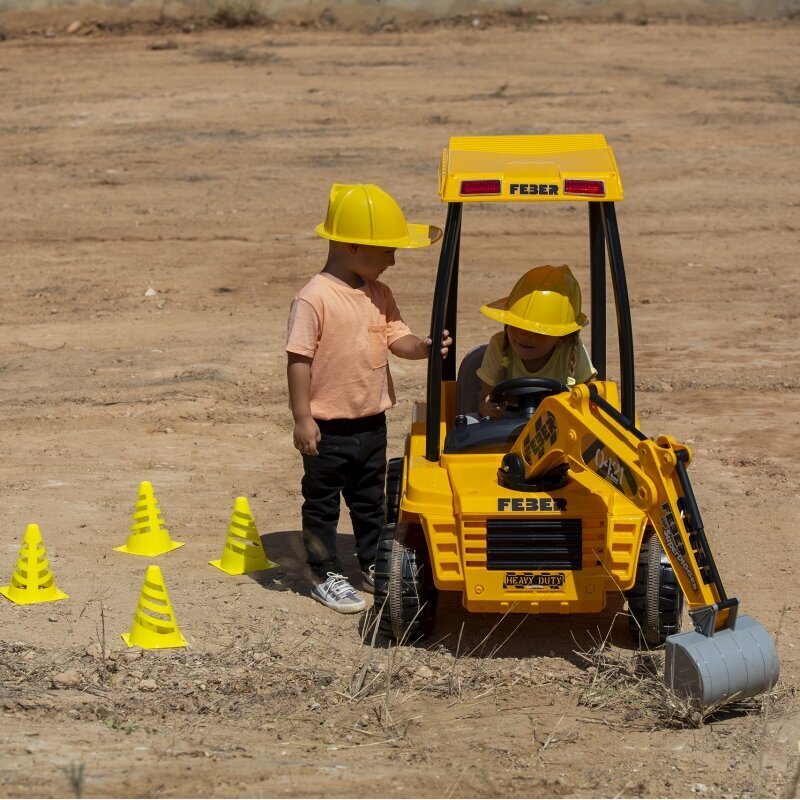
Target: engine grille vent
534	544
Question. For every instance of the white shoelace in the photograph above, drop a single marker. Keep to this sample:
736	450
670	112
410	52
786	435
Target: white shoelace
338	586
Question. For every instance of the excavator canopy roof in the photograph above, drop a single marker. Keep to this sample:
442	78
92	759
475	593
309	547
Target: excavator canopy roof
525	169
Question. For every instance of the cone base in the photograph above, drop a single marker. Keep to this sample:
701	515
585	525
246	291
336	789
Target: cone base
218	564
123	548
126	637
56	594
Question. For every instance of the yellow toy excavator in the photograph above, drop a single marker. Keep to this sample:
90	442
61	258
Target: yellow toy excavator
549	508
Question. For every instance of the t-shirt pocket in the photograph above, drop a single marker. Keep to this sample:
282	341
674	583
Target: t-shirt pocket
378	349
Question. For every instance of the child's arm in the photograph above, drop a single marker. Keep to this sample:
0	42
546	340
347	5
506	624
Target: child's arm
414	348
306	431
486	408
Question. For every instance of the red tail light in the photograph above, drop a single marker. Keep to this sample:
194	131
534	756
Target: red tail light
480	187
585	187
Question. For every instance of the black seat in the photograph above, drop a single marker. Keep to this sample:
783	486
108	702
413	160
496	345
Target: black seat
468	384
488	435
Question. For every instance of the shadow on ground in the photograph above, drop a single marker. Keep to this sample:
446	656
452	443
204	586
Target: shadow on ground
462	633
292	573
456	630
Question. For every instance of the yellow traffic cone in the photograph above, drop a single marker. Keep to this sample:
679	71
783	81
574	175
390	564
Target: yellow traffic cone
149	535
154	626
32	581
243	551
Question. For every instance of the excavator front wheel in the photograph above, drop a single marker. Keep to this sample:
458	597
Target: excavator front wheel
655	603
405	595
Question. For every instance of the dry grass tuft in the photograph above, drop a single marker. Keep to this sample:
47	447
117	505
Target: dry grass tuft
632	682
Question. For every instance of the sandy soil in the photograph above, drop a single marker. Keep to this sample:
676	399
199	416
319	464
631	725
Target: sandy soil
200	171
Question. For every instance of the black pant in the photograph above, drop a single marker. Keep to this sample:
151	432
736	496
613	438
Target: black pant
351	462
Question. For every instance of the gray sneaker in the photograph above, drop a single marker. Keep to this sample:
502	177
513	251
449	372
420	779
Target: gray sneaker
368	579
337	593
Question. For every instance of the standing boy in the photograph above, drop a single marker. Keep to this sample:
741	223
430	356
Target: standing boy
342	325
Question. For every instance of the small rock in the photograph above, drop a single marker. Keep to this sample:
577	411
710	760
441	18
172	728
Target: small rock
147	685
476	23
167	45
424	672
151	292
133	654
698	788
74	27
67	679
542	18
52	619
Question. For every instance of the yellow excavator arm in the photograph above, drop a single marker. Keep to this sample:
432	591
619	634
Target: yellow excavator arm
581	430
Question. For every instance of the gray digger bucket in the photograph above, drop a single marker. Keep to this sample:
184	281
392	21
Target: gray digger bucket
717	667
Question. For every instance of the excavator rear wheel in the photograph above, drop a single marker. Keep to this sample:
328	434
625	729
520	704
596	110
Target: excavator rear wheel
655	603
405	595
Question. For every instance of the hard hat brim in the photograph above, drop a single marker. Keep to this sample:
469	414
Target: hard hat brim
498	312
418	236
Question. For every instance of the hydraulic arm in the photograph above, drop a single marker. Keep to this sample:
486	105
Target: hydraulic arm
581	430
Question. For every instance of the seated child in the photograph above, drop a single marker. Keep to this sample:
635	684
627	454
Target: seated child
542	317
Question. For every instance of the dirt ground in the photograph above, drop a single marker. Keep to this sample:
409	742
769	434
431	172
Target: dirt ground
197	165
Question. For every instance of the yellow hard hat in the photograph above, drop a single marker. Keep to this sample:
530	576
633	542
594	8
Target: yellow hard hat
362	213
544	300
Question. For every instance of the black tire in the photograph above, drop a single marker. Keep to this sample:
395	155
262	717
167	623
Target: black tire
394	486
405	595
655	603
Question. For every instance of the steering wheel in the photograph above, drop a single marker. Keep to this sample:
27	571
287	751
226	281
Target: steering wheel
528	391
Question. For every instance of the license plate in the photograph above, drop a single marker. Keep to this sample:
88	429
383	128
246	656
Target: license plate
534	581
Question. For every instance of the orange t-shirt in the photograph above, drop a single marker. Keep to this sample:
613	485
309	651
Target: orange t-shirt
346	332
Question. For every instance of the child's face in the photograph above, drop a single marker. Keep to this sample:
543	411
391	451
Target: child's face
370	262
531	346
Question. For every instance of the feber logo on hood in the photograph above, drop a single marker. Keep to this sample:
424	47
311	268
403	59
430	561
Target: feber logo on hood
534	580
531	504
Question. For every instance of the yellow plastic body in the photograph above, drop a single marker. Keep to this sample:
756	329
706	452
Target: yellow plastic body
453	499
363	213
531	169
149	535
32	581
154	625
243	551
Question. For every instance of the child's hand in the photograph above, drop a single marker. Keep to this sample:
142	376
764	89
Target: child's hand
490	409
486	406
306	436
447	341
